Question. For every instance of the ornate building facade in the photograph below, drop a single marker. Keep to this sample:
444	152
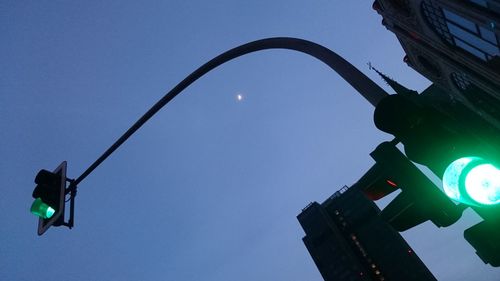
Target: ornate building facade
455	44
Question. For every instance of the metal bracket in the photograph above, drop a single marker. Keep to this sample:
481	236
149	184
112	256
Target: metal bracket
71	190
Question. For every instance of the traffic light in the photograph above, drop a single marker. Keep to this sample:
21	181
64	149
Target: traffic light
376	183
463	150
49	195
420	199
465	161
472	180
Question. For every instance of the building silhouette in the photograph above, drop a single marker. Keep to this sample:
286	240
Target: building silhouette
455	44
349	241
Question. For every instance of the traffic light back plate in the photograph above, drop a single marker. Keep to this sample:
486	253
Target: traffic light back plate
44	224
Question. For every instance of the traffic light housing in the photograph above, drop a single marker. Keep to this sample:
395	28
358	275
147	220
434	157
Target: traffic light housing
484	238
457	145
376	183
464	158
419	200
49	195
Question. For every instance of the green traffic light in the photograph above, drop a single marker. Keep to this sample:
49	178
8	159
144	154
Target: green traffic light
39	208
473	181
482	184
451	178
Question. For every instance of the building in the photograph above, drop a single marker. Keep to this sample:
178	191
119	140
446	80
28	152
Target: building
455	44
349	241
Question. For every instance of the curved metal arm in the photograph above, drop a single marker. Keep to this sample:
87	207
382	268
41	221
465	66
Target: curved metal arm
366	87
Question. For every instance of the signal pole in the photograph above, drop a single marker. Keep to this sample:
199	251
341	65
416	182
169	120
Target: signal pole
359	81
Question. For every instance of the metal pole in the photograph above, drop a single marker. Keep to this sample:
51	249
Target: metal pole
364	85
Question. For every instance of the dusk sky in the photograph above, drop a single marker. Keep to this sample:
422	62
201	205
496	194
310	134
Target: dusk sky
209	189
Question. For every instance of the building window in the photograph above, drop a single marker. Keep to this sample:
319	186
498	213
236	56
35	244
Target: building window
458	31
492	6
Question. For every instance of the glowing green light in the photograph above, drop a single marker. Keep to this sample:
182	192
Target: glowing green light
451	177
39	208
473	181
483	184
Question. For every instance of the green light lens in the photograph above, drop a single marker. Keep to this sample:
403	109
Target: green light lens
451	177
482	184
39	208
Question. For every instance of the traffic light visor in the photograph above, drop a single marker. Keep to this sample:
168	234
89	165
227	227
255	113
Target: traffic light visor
39	208
473	181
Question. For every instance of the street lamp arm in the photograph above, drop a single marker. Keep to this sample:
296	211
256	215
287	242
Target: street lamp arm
364	85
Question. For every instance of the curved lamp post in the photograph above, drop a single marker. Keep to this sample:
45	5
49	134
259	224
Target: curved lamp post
364	85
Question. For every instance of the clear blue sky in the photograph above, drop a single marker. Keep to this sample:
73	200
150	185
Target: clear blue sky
210	187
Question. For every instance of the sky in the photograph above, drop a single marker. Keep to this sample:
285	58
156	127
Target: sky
210	187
